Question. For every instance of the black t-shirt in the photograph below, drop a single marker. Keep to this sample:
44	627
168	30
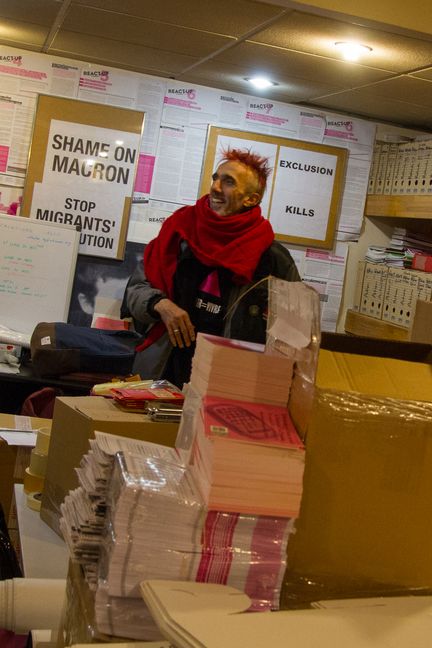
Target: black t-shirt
203	292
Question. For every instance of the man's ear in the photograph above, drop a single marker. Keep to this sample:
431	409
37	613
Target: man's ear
252	199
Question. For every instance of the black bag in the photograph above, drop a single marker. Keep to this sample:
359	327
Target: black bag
57	348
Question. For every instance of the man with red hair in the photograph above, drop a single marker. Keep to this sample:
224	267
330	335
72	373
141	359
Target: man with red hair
204	271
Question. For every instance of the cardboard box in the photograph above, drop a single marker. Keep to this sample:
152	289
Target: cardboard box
365	525
414	350
74	421
421	330
14	459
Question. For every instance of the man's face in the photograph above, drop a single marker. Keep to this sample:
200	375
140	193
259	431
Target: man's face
233	189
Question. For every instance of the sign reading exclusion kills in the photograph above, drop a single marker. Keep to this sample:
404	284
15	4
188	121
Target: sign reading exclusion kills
85	179
302	193
304	190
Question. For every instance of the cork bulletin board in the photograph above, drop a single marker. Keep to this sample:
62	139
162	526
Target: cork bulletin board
304	191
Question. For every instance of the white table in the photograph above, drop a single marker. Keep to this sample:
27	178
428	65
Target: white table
44	553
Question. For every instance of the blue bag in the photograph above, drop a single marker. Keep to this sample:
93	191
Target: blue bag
57	348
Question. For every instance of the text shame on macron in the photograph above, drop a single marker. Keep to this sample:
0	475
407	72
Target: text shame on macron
78	159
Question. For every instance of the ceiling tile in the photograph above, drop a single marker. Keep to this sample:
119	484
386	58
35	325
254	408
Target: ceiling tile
123	55
229	17
404	88
231	77
22	34
119	27
37	12
282	64
317	35
423	74
186	40
365	104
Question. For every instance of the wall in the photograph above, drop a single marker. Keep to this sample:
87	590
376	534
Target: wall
173	147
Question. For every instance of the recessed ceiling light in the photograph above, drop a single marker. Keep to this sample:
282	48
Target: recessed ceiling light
261	82
352	51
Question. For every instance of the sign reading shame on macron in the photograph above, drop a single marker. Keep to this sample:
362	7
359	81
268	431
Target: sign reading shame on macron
88	177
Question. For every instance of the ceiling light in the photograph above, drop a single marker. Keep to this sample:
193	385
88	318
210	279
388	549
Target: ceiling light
352	51
261	83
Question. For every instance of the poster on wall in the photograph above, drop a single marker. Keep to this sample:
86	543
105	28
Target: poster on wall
81	171
304	191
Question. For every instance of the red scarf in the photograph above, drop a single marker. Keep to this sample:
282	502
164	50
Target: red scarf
235	242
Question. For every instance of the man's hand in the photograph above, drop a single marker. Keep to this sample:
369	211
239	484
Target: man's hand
180	329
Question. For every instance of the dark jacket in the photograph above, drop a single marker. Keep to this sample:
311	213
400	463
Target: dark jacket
245	313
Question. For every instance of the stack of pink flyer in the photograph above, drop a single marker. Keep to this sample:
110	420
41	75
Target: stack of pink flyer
158	527
240	370
248	458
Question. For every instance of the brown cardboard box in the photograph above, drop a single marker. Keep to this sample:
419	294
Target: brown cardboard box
74	422
421	329
14	459
365	526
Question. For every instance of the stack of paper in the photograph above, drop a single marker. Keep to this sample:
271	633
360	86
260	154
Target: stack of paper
158	527
248	458
84	509
124	617
83	527
138	514
409	243
240	370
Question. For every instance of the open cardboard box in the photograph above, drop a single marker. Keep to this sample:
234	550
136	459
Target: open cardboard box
365	525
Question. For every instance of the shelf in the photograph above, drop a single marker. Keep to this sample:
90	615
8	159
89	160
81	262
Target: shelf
399	206
359	324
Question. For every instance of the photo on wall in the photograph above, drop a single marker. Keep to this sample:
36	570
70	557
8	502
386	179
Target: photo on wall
99	286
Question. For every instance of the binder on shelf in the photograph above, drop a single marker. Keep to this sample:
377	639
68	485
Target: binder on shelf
397	171
358	289
424	286
428	171
390	168
382	166
394	296
423	153
374	167
374	286
412	169
399	175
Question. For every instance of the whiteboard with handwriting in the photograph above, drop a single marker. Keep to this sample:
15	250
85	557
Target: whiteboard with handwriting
37	266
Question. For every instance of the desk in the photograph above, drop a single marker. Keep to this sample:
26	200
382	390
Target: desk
14	388
44	554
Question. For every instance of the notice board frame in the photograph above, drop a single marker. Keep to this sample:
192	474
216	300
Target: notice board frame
121	121
315	152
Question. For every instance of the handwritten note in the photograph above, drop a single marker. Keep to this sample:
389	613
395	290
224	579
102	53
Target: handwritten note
37	265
